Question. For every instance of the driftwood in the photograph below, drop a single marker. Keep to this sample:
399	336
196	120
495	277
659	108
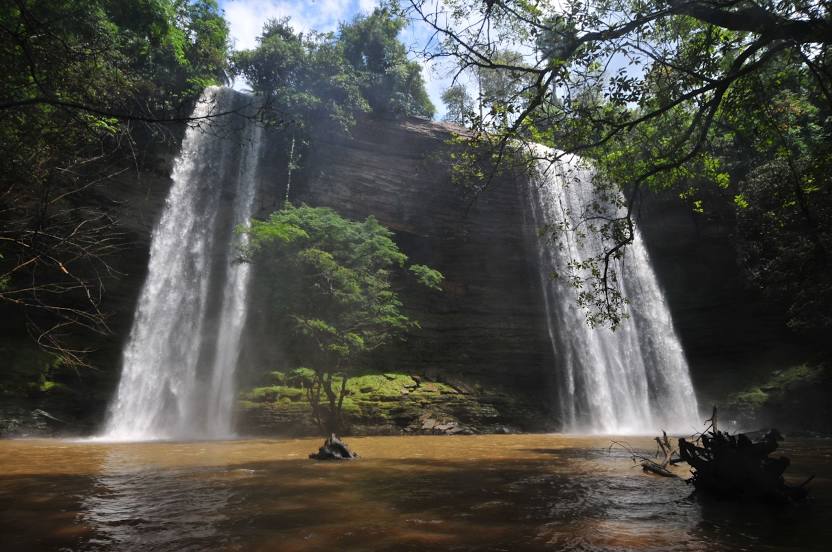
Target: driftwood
334	449
734	466
663	457
666	451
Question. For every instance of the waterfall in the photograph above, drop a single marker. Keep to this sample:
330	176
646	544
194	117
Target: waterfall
178	364
628	381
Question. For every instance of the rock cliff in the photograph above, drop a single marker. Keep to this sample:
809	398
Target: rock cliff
482	346
486	330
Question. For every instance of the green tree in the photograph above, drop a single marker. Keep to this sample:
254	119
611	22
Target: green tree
79	80
312	77
458	103
500	90
392	84
675	93
304	78
332	288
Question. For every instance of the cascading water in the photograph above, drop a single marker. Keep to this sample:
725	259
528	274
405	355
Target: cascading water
628	381
178	365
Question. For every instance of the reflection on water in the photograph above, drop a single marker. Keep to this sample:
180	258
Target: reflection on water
526	492
132	508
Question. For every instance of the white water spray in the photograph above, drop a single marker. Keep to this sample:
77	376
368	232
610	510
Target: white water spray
178	365
633	380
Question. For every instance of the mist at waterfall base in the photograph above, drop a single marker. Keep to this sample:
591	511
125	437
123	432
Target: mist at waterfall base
178	365
634	380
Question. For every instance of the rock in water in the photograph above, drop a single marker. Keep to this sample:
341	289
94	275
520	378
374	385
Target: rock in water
334	449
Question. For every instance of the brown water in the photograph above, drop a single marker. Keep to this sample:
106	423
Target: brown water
513	492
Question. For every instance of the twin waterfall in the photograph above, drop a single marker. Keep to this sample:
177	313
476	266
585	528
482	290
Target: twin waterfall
178	366
631	380
180	360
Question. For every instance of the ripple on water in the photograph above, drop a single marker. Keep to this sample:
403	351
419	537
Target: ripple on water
517	492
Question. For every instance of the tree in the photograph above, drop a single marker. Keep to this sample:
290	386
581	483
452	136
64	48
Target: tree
497	89
392	84
304	78
331	287
79	79
656	94
459	104
319	76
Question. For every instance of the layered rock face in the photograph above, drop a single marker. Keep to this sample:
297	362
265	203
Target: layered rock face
487	328
483	339
729	331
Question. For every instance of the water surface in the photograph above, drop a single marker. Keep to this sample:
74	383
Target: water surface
512	492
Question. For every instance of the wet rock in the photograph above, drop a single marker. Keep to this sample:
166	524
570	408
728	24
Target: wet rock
429	423
334	449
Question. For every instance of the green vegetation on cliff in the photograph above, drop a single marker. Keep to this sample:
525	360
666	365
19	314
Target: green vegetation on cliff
309	77
717	101
333	293
792	398
389	402
80	80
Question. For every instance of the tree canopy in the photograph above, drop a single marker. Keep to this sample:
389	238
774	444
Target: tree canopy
316	76
78	77
333	292
689	95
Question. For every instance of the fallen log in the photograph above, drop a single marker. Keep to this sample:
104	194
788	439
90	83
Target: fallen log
666	450
664	456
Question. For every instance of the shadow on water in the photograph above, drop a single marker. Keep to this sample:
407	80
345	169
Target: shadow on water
459	498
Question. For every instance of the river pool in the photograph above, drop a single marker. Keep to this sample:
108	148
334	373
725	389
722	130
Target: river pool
495	492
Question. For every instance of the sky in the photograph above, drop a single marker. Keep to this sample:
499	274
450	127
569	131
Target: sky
246	19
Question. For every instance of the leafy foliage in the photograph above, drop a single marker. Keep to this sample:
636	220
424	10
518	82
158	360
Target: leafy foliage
458	103
79	78
392	84
304	77
687	95
319	76
332	290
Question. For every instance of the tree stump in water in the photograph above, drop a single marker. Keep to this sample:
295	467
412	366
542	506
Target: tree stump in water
334	449
734	466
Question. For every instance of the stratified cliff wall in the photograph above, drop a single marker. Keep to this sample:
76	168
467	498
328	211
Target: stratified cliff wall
486	330
730	332
489	321
484	338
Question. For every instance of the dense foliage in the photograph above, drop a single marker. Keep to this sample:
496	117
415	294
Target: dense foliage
303	77
333	292
311	77
704	97
392	84
78	79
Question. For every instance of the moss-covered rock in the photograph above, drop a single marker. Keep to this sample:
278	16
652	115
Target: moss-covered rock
791	398
388	403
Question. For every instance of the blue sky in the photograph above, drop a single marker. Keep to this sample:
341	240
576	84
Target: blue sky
246	18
